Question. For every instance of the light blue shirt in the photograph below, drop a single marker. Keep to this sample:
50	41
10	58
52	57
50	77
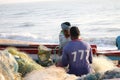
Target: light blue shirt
118	42
63	40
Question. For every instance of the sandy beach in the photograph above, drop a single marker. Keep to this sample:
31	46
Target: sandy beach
9	41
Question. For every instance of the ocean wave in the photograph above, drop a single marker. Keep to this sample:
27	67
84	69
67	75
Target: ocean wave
18	36
29	37
22	13
104	42
26	24
101	42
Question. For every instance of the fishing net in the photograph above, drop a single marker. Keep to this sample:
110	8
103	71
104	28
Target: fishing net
104	70
110	74
2	77
5	72
50	73
26	63
115	73
8	67
102	64
44	58
9	60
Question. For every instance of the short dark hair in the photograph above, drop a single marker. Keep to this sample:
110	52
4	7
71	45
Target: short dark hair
67	23
74	31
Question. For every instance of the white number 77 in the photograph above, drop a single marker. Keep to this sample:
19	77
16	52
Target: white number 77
80	52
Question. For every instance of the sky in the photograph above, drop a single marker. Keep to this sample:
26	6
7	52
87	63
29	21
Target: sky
19	1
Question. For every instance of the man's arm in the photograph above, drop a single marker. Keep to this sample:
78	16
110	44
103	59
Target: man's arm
90	56
61	39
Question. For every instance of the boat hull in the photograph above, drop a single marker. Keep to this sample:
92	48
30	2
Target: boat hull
32	50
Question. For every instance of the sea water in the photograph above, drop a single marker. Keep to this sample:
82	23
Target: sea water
98	21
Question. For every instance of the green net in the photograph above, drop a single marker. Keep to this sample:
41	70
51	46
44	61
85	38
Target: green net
44	58
26	63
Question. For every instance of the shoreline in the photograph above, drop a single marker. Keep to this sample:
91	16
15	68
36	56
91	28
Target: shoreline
20	42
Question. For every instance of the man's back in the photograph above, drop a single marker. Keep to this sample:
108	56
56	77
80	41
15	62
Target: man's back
79	55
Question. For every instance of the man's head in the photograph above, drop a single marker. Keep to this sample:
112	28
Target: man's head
65	25
65	28
74	32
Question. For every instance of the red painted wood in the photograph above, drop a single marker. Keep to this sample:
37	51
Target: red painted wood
109	52
33	49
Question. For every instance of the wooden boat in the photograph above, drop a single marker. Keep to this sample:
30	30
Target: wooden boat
112	54
32	50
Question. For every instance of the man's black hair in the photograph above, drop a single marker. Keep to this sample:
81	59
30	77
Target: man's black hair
67	23
74	31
